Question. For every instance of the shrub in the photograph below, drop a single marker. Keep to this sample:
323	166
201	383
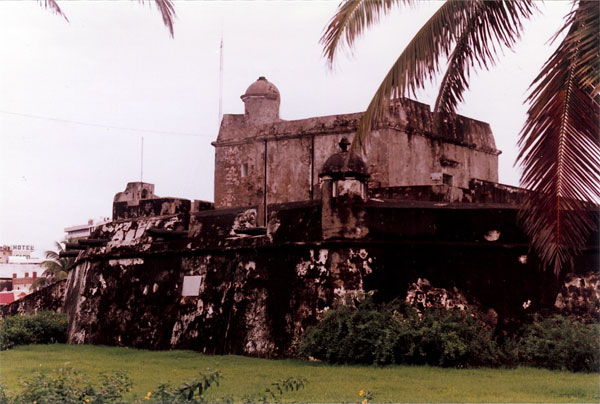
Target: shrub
67	386
398	334
42	328
559	342
190	392
276	392
451	338
349	335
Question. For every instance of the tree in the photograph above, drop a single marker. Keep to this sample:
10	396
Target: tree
165	7
559	149
57	267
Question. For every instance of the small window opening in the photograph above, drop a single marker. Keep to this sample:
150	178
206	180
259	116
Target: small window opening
144	193
447	179
244	170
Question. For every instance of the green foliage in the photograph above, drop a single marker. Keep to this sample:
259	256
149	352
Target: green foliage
397	334
3	396
275	393
352	336
67	386
448	338
42	328
191	391
368	335
559	342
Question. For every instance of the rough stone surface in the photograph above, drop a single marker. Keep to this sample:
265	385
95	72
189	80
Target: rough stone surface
404	151
580	295
51	297
260	291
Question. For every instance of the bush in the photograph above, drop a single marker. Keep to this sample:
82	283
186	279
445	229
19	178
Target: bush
42	328
67	386
559	342
348	335
190	391
398	334
452	337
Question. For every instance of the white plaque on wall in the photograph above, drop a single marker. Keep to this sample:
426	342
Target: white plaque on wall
191	285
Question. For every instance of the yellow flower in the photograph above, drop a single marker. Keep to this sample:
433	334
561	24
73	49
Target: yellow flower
87	400
364	401
361	393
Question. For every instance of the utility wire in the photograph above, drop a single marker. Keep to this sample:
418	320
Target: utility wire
97	125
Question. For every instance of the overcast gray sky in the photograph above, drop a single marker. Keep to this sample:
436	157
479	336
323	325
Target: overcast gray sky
114	65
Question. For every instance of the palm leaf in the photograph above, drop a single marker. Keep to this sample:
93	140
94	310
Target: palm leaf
417	64
492	22
165	7
54	7
167	11
559	145
453	26
351	20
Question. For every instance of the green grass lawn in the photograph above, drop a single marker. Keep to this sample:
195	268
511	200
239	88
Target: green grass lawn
326	383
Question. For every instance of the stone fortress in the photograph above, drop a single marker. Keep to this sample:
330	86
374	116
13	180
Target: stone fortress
262	160
301	223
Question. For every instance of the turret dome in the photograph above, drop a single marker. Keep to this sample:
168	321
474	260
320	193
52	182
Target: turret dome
261	88
261	102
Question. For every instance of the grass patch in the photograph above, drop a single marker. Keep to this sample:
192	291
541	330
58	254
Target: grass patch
326	383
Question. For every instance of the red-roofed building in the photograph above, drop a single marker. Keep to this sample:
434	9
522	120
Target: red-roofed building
6	298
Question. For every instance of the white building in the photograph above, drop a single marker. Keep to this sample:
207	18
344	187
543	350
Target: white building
84	230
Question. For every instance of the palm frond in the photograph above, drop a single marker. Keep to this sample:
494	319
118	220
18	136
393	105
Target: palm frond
559	145
165	7
492	23
54	7
38	284
418	63
585	39
351	20
167	11
51	255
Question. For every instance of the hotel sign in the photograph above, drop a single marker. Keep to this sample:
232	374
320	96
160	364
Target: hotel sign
23	247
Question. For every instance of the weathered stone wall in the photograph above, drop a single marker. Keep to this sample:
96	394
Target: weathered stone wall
249	303
51	297
405	150
231	188
151	207
478	192
259	292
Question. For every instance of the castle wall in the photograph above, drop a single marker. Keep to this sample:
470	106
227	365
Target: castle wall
289	166
258	293
405	150
232	189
